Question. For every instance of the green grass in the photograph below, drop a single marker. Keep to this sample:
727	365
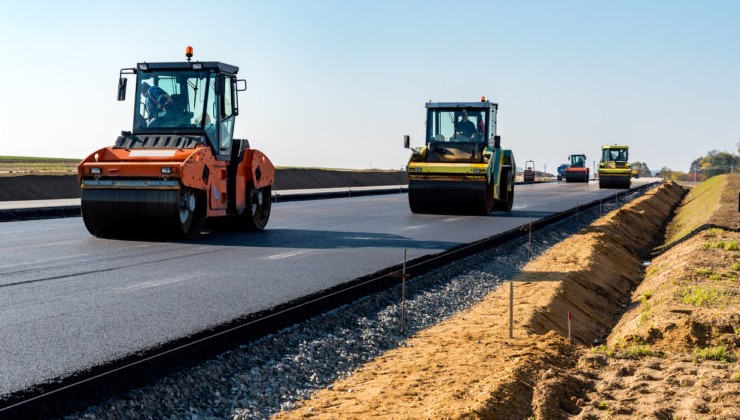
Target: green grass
711	353
28	159
603	349
696	209
736	266
703	271
652	270
603	405
636	351
731	246
37	164
719	244
698	295
735	377
707	244
715	277
645	296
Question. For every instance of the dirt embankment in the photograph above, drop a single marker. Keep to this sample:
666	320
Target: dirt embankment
468	367
51	187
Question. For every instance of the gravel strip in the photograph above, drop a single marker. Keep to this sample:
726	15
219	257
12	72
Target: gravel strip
274	372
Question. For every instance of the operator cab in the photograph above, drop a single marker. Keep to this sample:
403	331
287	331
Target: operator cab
577	161
188	99
464	122
615	155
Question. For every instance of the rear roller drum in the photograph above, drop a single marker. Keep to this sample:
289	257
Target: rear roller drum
258	206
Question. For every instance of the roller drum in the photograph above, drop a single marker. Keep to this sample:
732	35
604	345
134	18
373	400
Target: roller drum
450	197
607	181
107	212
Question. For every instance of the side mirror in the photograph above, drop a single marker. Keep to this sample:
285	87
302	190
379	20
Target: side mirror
122	88
241	85
406	141
496	142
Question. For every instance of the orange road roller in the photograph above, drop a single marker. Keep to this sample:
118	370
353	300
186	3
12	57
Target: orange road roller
180	165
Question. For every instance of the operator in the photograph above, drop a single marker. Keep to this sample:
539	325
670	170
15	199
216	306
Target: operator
156	100
465	127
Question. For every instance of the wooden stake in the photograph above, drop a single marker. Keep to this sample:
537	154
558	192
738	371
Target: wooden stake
511	308
403	294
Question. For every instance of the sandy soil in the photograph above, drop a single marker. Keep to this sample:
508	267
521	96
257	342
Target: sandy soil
468	367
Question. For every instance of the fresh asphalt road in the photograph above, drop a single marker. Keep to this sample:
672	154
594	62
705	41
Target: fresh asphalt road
69	301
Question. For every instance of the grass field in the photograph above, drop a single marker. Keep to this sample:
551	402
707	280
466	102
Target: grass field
25	165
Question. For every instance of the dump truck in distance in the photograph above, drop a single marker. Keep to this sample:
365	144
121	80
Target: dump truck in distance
462	168
614	168
180	164
577	171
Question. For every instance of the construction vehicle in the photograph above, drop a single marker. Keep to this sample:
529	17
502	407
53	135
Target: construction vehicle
561	171
635	172
528	174
462	168
180	164
577	171
614	168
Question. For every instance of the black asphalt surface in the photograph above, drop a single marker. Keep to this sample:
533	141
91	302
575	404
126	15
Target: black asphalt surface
69	301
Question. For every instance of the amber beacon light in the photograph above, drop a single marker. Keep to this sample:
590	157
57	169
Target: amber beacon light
189	52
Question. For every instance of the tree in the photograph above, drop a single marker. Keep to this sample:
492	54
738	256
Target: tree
642	168
716	163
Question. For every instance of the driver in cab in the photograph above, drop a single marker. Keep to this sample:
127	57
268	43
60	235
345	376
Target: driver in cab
465	127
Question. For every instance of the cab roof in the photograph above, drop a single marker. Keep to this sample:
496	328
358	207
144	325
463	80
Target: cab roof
477	105
184	65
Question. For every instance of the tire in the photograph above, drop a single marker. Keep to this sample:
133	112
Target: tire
258	206
192	212
488	201
506	197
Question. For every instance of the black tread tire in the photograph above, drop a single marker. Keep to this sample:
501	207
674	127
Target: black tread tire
194	220
256	214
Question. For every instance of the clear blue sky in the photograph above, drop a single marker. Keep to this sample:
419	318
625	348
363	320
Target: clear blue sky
338	83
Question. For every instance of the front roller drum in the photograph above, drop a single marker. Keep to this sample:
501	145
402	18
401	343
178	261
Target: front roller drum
450	197
607	181
111	213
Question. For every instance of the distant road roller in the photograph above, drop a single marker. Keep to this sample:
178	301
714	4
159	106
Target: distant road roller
528	175
180	164
577	171
614	168
461	169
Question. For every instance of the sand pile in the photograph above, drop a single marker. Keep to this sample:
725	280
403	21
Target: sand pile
468	367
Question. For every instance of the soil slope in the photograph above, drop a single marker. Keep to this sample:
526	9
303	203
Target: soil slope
468	367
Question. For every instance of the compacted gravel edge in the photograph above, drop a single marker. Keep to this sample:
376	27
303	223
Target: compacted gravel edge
271	374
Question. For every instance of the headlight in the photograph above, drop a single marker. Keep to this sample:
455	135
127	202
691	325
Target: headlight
96	171
166	170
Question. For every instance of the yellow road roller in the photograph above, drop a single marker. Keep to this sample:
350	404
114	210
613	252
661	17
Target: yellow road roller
461	169
614	168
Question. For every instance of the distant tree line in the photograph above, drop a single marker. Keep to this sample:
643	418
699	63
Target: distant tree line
705	167
642	168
